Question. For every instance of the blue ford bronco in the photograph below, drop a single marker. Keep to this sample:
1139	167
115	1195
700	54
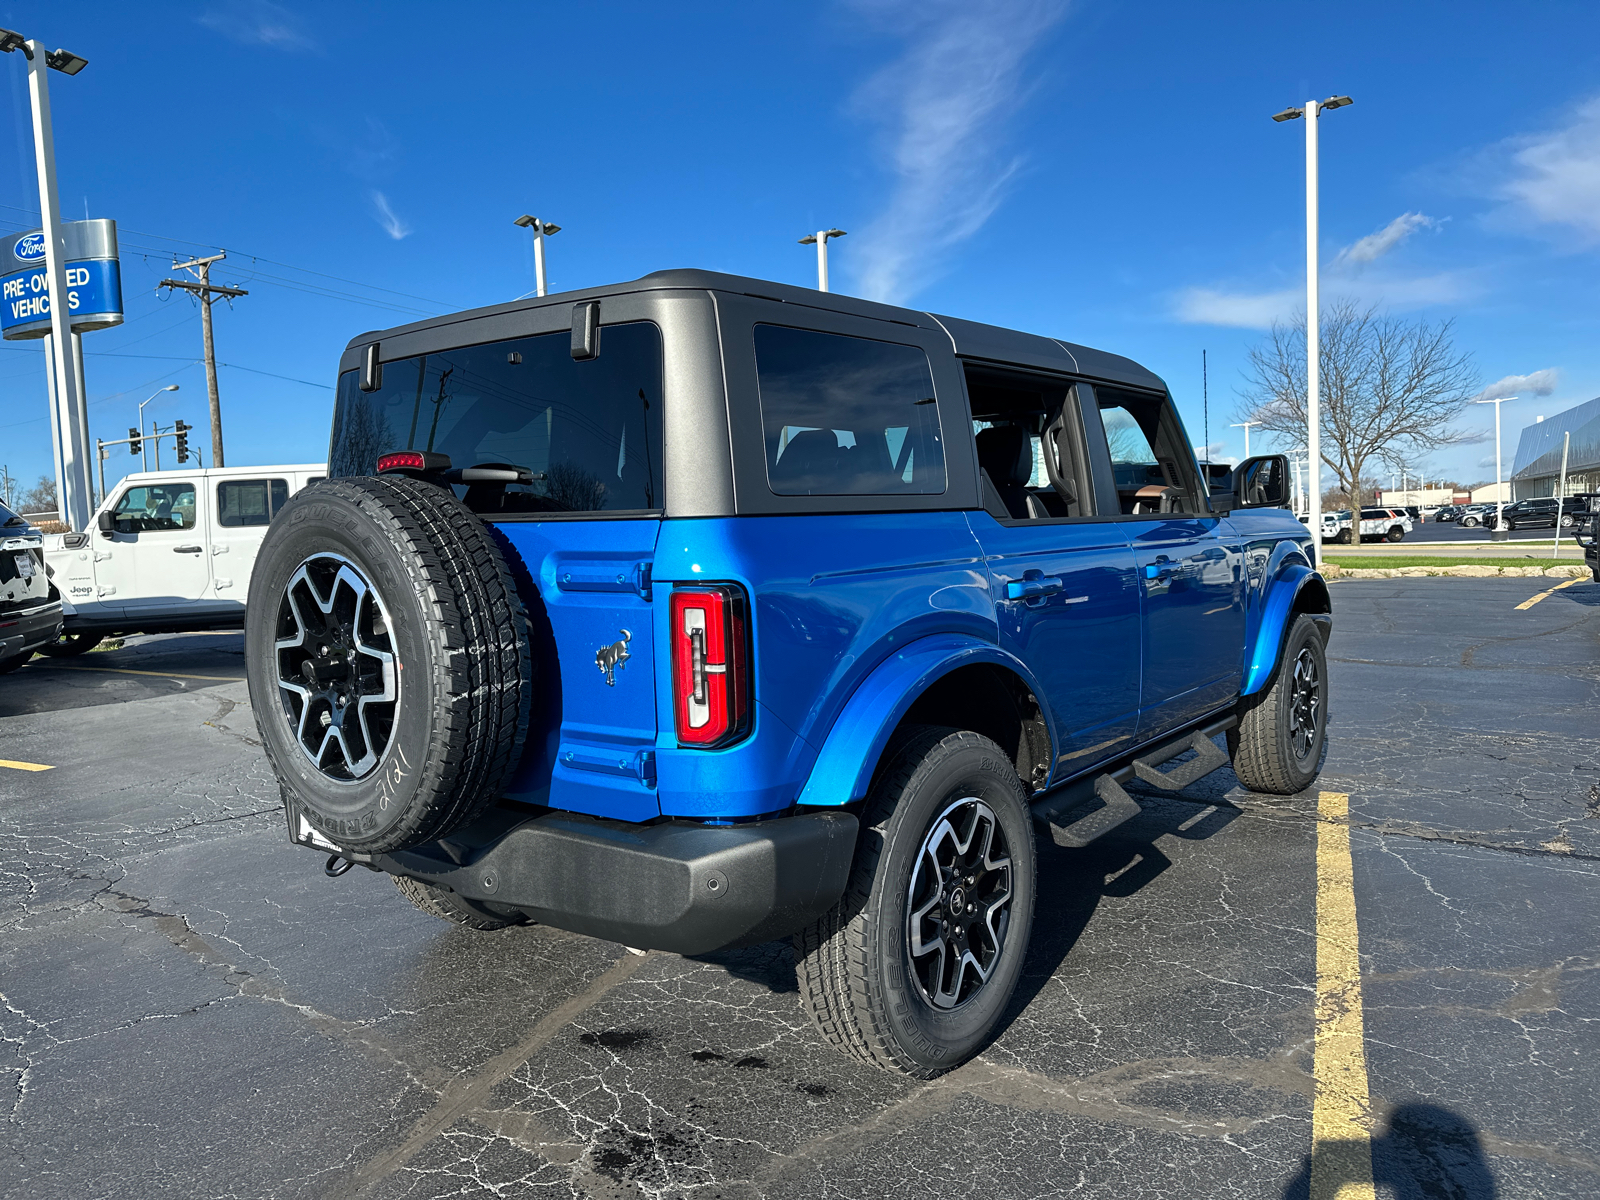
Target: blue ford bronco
701	611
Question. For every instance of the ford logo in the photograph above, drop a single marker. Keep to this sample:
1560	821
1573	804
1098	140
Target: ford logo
29	247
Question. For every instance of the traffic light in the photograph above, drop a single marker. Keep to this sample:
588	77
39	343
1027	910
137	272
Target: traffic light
135	441
182	431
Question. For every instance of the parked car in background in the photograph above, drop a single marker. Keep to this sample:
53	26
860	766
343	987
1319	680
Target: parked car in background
1473	515
1384	524
1538	513
170	552
30	610
1447	512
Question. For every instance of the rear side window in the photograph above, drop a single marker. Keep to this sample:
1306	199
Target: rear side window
847	416
589	430
250	501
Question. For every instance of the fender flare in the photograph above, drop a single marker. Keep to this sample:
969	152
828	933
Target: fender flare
1285	588
849	756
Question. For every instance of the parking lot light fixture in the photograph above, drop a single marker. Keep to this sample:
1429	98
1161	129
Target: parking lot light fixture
1313	405
820	238
541	230
1499	499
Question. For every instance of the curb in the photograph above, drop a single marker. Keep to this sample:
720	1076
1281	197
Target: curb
1333	571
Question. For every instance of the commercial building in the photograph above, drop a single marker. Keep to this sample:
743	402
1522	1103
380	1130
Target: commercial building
1536	471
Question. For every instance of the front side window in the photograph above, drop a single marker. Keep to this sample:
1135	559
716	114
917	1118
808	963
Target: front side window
847	416
243	502
1148	452
588	430
155	508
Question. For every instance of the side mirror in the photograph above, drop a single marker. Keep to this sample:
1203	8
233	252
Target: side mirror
107	521
1262	482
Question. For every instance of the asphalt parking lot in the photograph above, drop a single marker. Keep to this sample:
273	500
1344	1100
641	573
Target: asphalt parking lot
191	1008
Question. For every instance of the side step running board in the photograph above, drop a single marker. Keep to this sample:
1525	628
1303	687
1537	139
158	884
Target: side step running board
1119	807
1207	758
1116	805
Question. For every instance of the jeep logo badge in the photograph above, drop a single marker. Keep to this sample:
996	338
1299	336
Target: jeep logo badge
609	658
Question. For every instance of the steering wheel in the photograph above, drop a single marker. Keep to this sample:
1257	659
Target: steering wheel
1063	483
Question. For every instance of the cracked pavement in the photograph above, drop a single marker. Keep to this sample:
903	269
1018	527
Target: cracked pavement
190	1007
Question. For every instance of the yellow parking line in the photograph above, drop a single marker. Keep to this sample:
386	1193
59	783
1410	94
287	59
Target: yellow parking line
130	671
22	766
1529	603
1341	1138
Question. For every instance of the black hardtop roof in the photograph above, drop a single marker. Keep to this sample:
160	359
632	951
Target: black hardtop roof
971	339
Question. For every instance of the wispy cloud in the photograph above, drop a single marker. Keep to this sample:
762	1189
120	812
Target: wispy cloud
944	104
1556	174
1345	275
1535	383
388	218
1375	245
258	22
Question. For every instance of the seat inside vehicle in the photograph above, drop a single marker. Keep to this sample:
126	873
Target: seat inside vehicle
1022	422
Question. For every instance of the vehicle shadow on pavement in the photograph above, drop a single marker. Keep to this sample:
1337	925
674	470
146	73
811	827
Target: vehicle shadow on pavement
1426	1151
1072	882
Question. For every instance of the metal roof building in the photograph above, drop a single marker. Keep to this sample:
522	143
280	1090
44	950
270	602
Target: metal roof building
1536	470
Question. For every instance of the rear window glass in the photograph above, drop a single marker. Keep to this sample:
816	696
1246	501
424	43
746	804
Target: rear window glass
588	429
250	501
9	519
846	416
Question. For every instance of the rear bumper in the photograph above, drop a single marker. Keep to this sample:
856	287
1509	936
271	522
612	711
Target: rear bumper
22	632
675	885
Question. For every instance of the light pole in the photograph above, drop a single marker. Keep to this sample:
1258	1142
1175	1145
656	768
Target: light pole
1245	425
541	230
1499	500
144	459
65	367
1313	340
820	237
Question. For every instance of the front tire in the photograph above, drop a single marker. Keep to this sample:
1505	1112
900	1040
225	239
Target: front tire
1469	522
913	968
1277	745
1397	534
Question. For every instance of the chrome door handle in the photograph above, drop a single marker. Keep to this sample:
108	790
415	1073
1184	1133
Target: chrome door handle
187	549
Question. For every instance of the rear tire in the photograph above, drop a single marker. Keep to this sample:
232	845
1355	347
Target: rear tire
70	645
1397	534
885	976
1343	538
1277	745
1469	522
449	906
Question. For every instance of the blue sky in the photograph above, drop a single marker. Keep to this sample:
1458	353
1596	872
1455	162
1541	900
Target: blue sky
1102	172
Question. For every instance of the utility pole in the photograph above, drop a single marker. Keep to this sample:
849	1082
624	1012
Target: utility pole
5	485
200	268
1561	492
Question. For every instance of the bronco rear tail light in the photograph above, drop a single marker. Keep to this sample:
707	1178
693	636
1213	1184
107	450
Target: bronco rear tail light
710	665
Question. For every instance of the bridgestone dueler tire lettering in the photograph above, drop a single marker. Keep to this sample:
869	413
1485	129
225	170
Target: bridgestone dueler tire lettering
460	637
1261	746
852	965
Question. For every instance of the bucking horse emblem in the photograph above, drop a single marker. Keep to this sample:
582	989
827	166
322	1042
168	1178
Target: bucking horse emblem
609	658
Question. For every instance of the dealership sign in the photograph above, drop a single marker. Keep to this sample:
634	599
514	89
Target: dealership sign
94	281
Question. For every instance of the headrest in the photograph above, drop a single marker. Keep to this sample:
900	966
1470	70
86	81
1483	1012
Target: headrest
1005	452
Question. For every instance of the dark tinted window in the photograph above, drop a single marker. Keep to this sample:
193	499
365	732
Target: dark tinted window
9	519
589	429
845	416
250	501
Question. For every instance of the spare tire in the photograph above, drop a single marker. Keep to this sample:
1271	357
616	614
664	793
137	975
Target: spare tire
388	658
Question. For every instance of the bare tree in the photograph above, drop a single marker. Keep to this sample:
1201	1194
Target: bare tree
1390	389
40	498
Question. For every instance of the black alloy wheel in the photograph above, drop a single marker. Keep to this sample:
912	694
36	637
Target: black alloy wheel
1305	707
337	676
959	903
